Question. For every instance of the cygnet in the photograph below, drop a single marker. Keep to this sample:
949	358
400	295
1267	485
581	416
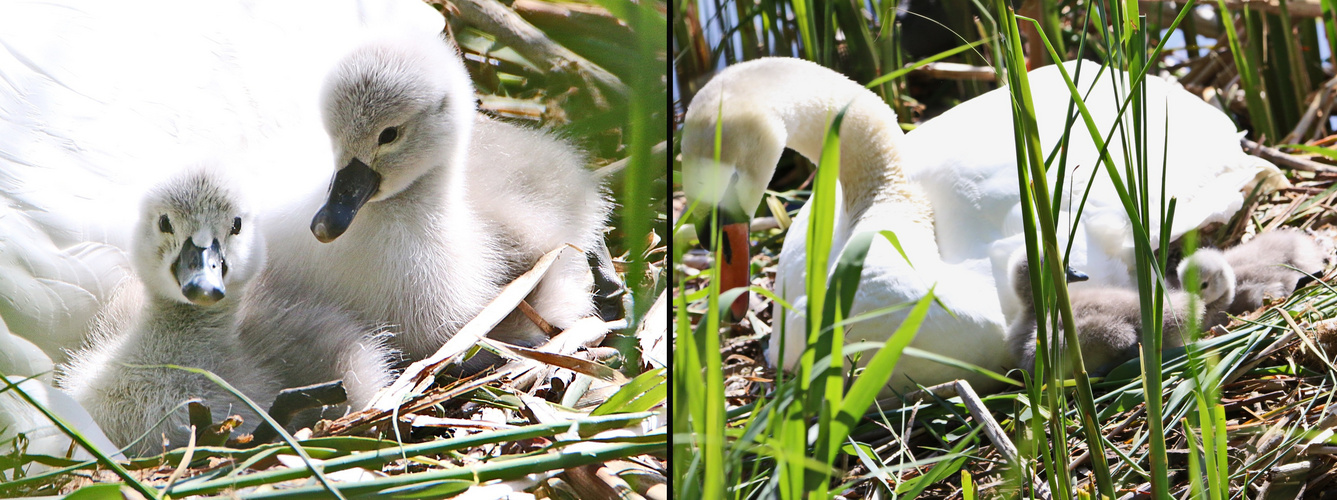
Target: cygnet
1109	322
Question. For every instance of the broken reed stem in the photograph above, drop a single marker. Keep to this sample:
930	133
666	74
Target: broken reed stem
1283	159
534	317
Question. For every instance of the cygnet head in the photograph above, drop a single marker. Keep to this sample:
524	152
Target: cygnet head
195	242
395	109
1020	273
1216	278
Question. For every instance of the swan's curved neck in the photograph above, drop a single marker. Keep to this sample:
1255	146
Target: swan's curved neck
871	170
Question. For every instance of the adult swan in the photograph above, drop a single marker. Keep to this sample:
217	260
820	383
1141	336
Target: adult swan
948	191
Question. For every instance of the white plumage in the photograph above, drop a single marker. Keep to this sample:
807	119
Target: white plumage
99	102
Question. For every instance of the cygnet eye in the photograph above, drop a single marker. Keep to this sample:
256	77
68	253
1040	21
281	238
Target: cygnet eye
236	225
388	135
1204	285
164	225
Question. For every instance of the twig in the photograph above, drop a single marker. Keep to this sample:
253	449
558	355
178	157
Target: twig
617	166
977	410
1290	473
584	333
1275	155
538	320
956	71
991	428
1320	100
1296	9
421	374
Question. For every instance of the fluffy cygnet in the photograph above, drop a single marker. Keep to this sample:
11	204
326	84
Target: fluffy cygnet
1216	283
196	305
195	250
449	207
1109	322
303	342
1263	267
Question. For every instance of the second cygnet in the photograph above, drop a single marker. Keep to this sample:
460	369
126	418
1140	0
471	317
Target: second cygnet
1261	269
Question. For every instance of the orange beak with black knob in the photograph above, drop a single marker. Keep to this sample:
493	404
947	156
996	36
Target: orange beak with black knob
733	269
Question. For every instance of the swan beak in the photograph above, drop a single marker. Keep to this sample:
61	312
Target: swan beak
352	187
200	271
736	267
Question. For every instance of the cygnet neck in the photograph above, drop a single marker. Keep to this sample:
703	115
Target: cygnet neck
219	316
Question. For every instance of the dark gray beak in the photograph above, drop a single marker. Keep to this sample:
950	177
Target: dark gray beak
200	272
352	187
1075	276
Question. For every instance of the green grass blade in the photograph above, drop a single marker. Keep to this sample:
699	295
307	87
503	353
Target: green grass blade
878	371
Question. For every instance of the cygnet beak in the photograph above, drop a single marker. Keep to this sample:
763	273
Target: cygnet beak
1075	276
352	187
200	272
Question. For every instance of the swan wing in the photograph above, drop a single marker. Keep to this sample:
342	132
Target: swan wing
17	416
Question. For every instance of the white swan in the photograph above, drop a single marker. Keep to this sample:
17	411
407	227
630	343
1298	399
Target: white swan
65	286
94	108
449	206
40	436
947	190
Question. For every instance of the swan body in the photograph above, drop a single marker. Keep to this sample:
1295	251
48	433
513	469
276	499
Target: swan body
449	206
41	437
302	342
1261	267
954	207
95	109
24	364
211	306
974	188
1109	322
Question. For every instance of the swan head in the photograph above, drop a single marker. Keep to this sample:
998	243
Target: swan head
728	191
195	242
1216	278
395	110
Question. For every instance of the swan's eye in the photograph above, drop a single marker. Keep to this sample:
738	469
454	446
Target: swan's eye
164	225
236	225
1203	286
388	135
